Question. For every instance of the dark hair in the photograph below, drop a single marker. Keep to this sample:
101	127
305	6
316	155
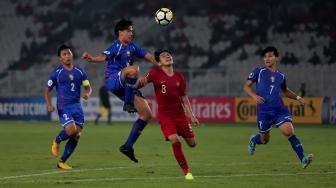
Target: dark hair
122	25
62	47
270	49
157	54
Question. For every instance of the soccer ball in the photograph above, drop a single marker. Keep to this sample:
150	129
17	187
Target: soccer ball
164	16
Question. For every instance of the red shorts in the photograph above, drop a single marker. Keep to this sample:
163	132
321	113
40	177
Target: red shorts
176	125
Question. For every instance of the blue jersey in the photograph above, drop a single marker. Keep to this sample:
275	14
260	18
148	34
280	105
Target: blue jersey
120	56
269	85
68	85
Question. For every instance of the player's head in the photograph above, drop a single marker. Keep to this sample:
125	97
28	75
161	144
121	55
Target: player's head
270	55
124	30
65	55
164	57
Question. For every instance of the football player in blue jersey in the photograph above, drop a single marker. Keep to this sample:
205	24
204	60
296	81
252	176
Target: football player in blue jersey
121	76
270	108
68	80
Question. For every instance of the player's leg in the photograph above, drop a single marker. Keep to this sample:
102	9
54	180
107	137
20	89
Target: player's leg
130	76
264	133
184	129
97	119
287	130
62	135
191	142
145	115
109	115
74	131
179	155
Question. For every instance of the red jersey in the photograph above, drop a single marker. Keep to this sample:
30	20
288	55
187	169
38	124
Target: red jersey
168	91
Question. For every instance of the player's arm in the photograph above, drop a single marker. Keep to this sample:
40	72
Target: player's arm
150	58
249	91
87	89
50	107
187	107
290	94
101	57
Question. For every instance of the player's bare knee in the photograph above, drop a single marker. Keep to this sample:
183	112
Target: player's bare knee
78	135
145	115
133	71
173	139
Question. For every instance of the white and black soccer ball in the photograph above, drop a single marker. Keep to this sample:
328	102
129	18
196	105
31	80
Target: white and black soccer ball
164	16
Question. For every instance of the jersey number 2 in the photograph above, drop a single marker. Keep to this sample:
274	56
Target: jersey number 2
72	87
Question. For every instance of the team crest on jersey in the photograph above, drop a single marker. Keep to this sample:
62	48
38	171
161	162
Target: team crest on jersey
71	77
272	78
128	53
177	84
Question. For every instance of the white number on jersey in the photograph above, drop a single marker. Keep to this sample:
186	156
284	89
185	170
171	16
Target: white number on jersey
271	86
72	87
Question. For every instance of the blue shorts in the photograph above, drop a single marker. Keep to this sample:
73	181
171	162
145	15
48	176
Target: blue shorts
265	120
116	85
71	113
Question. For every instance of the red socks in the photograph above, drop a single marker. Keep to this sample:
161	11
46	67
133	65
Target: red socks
180	158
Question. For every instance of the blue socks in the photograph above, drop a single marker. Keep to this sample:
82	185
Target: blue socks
61	137
129	87
297	146
69	148
256	139
138	127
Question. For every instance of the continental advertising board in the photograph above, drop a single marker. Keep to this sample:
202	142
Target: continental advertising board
246	110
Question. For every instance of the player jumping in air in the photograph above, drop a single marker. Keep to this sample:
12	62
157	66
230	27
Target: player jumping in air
270	107
68	80
173	106
120	77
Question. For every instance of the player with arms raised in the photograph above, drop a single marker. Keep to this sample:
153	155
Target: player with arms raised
68	80
173	105
120	77
270	107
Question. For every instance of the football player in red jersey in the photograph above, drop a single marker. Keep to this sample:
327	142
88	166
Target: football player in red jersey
174	108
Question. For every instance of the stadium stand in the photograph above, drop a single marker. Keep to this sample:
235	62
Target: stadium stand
216	44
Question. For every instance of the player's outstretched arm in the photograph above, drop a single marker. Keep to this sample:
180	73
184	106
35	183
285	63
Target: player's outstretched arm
50	107
187	107
290	94
249	91
98	58
150	58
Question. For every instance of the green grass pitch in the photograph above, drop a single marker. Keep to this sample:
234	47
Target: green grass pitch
219	160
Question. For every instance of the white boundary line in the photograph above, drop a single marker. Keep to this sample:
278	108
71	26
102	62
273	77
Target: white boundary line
175	177
158	165
62	172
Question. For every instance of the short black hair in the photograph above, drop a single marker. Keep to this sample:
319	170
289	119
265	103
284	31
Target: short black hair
157	54
62	47
270	49
122	25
